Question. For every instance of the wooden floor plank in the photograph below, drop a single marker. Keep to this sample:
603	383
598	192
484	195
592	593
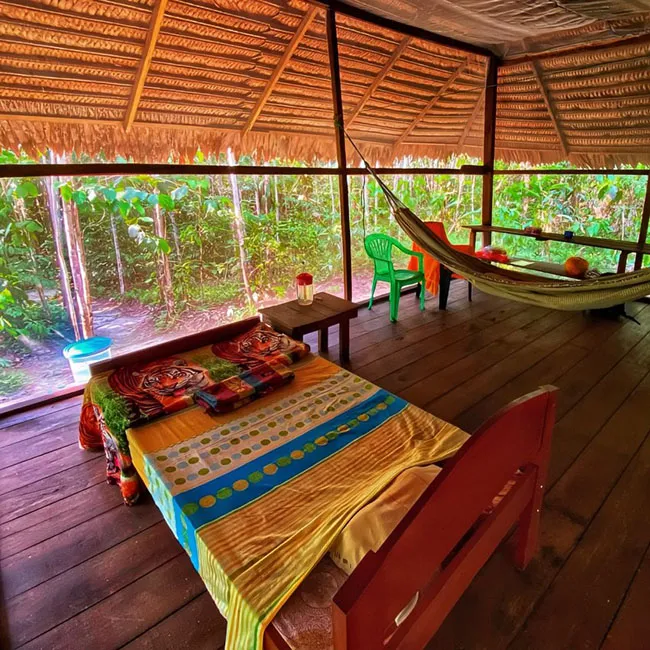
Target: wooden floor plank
453	403
35	612
40	413
34	496
433	379
43	443
80	571
31	471
631	629
601	568
195	626
38	563
24	532
23	431
124	615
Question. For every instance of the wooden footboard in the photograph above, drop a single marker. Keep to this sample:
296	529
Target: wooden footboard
398	597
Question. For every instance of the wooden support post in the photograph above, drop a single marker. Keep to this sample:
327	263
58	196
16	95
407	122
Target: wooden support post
489	142
339	127
643	230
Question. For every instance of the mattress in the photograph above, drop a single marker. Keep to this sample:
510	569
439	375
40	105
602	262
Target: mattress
257	497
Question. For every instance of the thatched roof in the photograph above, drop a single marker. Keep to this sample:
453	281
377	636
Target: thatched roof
146	78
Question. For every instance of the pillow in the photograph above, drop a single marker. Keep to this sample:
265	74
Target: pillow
372	525
261	344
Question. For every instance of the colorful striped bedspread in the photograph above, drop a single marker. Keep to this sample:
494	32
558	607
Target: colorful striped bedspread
257	496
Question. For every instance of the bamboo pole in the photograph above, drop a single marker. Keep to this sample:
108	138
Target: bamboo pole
643	230
53	208
239	230
489	144
339	126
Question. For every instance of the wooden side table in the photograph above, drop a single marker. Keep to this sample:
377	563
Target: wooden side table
297	320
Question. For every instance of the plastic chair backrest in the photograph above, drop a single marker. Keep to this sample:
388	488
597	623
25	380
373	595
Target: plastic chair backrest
380	250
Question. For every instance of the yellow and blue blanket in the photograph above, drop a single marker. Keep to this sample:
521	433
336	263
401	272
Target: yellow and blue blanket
257	496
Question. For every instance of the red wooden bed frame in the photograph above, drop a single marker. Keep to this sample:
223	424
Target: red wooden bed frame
428	561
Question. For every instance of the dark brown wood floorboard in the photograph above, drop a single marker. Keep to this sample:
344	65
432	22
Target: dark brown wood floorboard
79	570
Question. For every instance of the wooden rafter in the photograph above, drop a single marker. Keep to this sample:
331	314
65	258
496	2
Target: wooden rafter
399	50
472	118
307	20
549	106
143	69
432	102
575	50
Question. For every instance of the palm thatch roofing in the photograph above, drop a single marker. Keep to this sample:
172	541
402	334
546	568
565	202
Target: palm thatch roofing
154	79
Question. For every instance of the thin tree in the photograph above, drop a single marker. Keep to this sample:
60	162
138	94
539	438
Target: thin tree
54	211
163	270
78	271
239	231
119	267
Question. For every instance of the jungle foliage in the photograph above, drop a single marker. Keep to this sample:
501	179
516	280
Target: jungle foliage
197	242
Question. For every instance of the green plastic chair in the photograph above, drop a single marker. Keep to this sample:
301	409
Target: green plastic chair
380	250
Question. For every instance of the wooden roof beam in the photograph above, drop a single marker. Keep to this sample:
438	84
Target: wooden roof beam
383	73
432	102
549	107
642	39
157	16
306	22
403	28
472	118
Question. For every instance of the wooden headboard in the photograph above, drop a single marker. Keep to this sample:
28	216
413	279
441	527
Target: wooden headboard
162	350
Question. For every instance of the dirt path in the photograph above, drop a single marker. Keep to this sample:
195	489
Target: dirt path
132	326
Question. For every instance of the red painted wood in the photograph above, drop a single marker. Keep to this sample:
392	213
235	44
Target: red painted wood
385	582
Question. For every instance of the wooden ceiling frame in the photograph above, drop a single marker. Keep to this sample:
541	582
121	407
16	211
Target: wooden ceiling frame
550	107
290	50
155	24
472	118
642	39
433	101
383	73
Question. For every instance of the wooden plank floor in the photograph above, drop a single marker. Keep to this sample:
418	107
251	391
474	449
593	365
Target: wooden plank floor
79	570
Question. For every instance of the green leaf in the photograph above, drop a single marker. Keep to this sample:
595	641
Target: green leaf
179	192
66	192
25	189
152	199
109	193
145	219
165	201
163	246
79	197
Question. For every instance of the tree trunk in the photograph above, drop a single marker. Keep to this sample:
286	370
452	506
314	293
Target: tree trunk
177	241
459	196
59	251
78	272
258	200
118	255
265	198
162	263
239	230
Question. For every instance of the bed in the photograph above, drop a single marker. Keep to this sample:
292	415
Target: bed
268	496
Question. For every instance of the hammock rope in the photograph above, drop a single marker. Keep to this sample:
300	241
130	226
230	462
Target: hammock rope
593	293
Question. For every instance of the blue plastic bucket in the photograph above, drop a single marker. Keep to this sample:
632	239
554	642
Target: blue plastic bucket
82	353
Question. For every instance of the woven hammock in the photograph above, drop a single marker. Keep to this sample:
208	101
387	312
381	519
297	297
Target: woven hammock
593	293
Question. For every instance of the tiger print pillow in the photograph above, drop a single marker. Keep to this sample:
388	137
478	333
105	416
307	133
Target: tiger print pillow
261	344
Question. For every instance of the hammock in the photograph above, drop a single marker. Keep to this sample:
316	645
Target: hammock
593	293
